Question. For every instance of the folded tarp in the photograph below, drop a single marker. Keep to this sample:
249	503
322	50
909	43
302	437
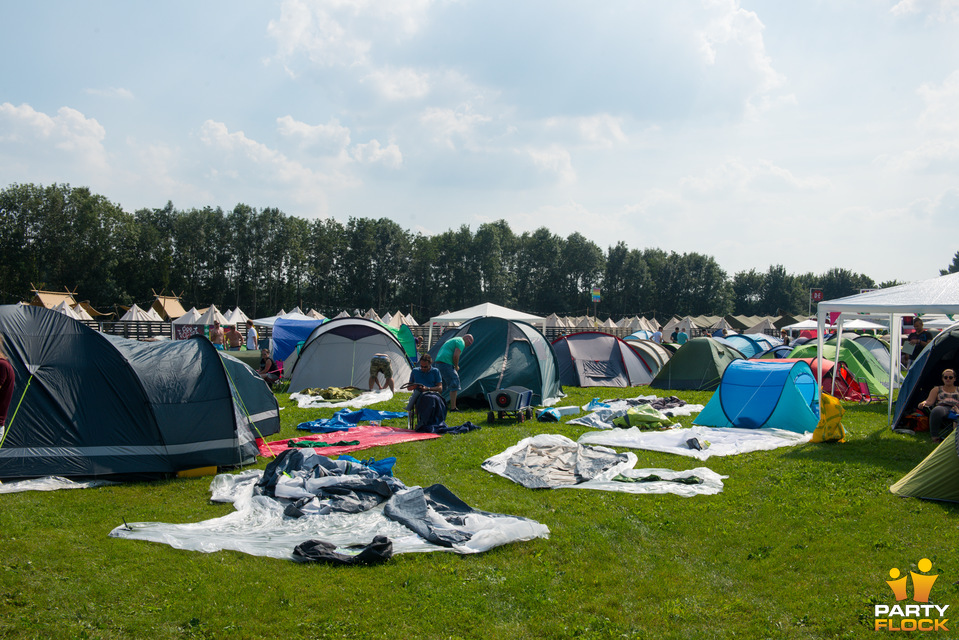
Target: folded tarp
414	519
603	414
367	435
721	442
304	401
551	461
344	419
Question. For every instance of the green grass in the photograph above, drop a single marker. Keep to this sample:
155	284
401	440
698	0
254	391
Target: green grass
798	545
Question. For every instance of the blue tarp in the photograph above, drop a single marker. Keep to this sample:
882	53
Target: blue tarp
289	333
344	419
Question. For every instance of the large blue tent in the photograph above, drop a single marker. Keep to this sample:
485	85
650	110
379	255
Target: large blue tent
764	394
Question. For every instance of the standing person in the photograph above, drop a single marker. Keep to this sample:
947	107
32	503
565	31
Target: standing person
941	401
381	364
672	337
234	338
217	336
681	337
448	362
657	336
7	380
252	339
424	378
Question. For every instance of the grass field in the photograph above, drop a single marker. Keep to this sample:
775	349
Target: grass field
798	545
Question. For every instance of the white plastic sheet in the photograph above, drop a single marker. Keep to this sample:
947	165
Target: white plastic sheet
722	442
258	527
304	401
712	481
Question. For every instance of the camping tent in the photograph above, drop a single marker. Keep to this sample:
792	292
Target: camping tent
594	359
941	353
858	359
338	352
289	332
935	478
211	315
935	295
136	314
697	365
504	353
90	404
764	394
484	310
749	346
654	354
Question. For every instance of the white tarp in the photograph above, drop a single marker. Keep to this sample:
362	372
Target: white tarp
722	442
259	527
712	482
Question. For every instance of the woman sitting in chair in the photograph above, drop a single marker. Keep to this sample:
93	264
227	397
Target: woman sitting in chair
941	402
268	370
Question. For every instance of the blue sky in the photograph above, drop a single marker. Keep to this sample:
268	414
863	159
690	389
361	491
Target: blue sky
809	134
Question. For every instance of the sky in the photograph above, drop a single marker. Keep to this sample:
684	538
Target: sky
812	135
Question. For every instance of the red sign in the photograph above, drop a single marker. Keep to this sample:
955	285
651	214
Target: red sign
816	295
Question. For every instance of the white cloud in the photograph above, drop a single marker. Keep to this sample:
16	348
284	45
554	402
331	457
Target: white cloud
938	127
373	152
602	130
399	84
733	174
331	138
553	160
69	131
247	161
449	125
941	115
935	10
342	32
112	92
735	36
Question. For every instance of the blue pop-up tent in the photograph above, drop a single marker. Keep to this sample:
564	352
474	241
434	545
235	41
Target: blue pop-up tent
289	332
764	394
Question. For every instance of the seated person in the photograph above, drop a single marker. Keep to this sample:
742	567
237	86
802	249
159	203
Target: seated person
268	370
940	402
381	364
426	377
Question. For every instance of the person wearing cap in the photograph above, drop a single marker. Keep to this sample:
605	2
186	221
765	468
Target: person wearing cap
448	363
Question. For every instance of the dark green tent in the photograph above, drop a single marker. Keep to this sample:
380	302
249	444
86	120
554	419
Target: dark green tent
504	353
698	365
89	404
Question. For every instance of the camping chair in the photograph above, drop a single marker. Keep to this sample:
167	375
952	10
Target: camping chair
428	410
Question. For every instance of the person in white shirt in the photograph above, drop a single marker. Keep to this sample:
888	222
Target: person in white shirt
252	339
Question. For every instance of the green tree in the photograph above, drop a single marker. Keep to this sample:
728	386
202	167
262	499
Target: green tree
952	268
747	289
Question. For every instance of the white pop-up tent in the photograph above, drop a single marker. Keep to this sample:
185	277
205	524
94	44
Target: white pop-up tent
936	295
487	309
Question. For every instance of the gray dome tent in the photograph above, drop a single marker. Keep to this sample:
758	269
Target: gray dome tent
89	404
595	359
338	352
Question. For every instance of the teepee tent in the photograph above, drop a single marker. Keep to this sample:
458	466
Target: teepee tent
212	315
136	314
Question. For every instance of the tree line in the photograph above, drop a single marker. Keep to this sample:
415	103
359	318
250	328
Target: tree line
59	236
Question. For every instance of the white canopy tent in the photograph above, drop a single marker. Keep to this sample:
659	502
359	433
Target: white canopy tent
484	310
936	295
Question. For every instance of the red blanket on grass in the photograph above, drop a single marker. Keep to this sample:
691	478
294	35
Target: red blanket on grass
369	436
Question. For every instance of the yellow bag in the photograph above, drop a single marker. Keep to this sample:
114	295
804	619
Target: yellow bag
829	428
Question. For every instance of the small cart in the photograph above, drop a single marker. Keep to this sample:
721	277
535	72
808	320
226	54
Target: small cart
511	402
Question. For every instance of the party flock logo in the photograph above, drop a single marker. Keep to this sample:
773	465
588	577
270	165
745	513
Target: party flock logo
920	616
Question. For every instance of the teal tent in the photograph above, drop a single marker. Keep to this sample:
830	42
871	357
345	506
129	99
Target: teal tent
764	394
504	353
